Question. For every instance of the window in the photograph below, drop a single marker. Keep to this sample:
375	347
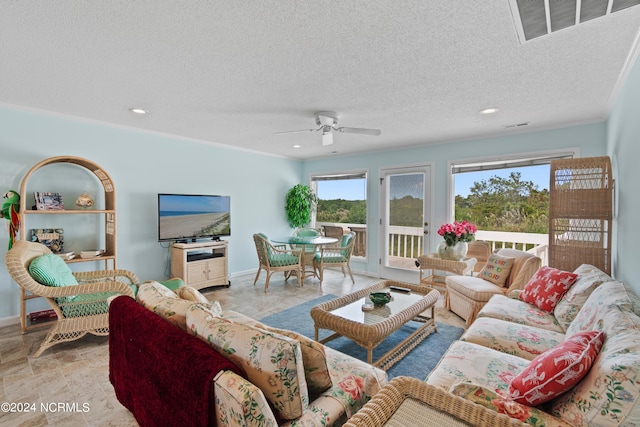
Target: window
342	201
504	197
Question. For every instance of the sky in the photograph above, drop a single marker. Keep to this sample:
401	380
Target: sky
352	189
193	203
355	189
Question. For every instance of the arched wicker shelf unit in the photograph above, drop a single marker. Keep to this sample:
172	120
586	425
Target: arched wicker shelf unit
106	210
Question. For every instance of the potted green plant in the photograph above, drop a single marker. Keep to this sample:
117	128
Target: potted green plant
300	202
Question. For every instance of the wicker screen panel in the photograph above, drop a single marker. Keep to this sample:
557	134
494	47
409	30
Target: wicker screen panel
580	213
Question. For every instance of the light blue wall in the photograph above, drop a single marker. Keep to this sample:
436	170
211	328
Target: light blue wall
623	146
142	165
589	139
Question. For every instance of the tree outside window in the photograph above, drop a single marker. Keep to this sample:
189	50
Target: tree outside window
508	203
342	200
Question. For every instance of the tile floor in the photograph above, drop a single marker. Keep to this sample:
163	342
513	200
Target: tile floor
68	385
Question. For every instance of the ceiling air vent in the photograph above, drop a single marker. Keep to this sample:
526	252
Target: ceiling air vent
535	18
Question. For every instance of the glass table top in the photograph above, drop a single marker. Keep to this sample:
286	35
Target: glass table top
354	312
295	240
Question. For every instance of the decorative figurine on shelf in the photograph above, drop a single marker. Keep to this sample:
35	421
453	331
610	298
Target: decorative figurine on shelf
11	211
84	201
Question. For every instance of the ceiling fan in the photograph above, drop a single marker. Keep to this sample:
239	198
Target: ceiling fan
328	122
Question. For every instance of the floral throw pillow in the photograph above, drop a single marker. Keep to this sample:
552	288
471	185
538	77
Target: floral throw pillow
557	370
497	269
496	401
546	287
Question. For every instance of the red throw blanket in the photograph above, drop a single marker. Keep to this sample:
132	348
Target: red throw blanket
160	373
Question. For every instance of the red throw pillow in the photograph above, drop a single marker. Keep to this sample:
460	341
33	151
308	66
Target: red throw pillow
556	370
546	287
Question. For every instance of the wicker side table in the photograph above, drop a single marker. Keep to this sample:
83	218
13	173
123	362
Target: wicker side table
409	401
434	263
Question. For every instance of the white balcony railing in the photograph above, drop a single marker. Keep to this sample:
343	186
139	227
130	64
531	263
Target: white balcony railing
406	242
537	244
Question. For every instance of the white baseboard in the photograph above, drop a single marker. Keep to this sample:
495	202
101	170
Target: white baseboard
255	270
9	321
243	273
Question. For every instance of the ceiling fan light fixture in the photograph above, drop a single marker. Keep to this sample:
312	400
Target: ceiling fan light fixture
327	138
326	118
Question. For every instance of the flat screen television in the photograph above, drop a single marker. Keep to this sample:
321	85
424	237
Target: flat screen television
188	217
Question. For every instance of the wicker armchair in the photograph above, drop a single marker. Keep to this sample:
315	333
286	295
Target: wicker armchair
274	259
335	256
466	295
409	401
481	251
82	308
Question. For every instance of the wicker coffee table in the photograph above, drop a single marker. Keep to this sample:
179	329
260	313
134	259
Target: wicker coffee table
345	317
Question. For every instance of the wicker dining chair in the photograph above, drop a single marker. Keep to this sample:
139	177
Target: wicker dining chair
335	256
81	308
273	259
333	231
306	233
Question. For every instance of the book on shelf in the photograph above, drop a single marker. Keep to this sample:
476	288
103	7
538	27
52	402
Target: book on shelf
53	238
42	316
91	253
48	201
67	255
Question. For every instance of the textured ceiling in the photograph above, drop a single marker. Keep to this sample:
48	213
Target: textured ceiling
236	73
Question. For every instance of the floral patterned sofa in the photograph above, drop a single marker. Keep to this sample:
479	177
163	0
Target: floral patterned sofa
288	379
511	337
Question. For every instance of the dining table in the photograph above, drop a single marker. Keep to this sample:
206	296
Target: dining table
310	245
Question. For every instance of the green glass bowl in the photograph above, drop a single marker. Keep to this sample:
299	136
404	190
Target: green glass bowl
380	298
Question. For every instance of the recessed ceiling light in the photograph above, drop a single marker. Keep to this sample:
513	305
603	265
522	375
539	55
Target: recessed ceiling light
489	111
138	110
296	146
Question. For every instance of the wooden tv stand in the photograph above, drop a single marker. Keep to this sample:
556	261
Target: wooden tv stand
200	264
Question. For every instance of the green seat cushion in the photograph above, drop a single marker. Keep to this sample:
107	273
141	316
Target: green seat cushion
279	260
89	304
51	270
172	284
332	258
264	236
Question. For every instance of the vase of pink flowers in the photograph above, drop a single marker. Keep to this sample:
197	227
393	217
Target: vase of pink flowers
456	236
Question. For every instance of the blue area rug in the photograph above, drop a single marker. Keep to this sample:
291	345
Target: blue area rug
418	363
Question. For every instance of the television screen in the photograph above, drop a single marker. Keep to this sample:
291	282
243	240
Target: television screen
183	217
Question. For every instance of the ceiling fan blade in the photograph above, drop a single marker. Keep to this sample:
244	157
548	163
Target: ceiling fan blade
298	131
362	131
327	138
